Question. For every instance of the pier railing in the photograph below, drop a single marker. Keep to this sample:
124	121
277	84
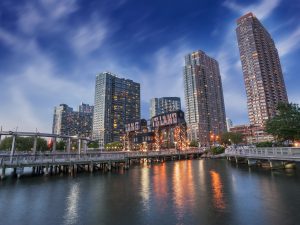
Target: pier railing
42	158
284	153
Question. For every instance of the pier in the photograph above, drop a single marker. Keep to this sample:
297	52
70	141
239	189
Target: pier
71	163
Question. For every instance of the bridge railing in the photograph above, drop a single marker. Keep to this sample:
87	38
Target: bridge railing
268	152
28	158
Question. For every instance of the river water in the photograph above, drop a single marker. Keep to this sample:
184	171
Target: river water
178	192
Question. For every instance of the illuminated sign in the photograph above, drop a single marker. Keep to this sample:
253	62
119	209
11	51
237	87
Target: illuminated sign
167	119
135	126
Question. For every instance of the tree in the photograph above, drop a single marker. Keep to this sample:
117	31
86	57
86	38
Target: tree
24	144
193	143
286	125
228	138
265	144
114	146
61	145
217	150
94	144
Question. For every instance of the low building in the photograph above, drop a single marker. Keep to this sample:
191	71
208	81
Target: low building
252	133
165	131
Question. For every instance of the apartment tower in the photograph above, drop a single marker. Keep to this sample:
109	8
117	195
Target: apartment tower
261	67
205	111
117	102
164	105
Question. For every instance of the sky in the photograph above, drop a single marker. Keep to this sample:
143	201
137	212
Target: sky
51	51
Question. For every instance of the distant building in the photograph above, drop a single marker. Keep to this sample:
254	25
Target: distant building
263	77
252	133
164	105
229	124
117	102
205	111
69	122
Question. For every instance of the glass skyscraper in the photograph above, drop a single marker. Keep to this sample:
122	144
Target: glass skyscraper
117	102
205	111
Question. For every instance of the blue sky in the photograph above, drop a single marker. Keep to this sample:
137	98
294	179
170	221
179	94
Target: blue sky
51	50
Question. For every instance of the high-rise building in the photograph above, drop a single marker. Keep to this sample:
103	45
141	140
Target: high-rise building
69	122
164	105
229	124
263	77
117	102
205	111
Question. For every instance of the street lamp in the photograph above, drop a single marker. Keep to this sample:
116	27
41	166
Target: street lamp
175	143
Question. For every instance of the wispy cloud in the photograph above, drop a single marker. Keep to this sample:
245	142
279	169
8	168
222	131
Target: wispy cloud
44	15
33	91
89	36
289	43
262	9
165	75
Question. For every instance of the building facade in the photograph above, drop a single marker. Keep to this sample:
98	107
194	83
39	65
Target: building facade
117	102
229	124
205	110
166	131
263	78
164	105
252	133
66	121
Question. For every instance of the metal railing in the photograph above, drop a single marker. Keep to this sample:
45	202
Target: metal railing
271	152
42	158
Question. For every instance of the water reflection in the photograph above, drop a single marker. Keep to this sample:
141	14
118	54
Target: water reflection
183	188
145	187
160	184
71	214
217	187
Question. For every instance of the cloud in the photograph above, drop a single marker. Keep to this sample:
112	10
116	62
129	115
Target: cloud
34	91
89	36
44	15
33	88
289	43
165	75
262	9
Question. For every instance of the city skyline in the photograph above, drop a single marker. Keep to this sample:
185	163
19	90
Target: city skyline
52	50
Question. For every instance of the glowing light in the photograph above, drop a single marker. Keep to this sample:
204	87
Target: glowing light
217	189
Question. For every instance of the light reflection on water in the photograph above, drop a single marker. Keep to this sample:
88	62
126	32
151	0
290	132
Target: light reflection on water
71	215
217	188
160	185
145	187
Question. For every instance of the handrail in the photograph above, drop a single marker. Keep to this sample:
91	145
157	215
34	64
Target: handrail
263	152
27	158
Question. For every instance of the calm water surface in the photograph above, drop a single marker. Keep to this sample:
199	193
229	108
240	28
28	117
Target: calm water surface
182	192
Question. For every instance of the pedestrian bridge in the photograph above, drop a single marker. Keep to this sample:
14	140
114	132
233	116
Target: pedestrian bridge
272	153
272	157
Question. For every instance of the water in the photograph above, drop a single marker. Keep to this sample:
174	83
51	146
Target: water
180	192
